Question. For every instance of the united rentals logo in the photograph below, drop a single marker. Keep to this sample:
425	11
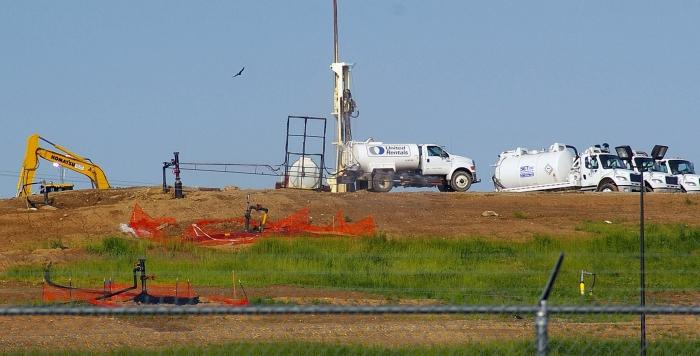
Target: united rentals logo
376	150
389	150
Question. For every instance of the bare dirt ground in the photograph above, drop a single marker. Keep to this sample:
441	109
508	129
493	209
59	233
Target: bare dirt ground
30	237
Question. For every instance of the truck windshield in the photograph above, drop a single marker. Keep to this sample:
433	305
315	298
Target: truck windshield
611	162
681	167
648	164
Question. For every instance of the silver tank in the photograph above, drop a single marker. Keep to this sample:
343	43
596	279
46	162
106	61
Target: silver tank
522	167
372	154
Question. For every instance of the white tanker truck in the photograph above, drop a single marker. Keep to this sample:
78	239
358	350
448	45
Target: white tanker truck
562	168
381	166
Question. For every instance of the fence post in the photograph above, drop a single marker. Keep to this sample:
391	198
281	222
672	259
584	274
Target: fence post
542	342
541	329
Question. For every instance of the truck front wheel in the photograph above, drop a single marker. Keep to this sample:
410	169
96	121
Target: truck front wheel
608	187
461	181
444	188
382	182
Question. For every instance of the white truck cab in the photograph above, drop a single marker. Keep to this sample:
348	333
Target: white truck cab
656	179
603	171
684	171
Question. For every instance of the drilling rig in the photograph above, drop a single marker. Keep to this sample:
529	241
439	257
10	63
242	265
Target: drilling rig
344	109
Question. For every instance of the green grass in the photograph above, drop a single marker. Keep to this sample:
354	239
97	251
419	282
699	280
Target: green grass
520	215
455	270
525	347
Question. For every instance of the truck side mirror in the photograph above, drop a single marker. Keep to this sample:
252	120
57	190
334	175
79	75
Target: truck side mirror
659	152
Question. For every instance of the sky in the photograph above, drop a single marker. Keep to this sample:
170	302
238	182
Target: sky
127	83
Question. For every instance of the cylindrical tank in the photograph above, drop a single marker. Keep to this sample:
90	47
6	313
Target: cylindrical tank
304	174
522	168
403	156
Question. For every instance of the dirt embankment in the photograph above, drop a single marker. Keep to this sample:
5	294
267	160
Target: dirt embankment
48	233
89	213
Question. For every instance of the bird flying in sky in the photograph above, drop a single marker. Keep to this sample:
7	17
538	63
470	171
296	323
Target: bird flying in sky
239	73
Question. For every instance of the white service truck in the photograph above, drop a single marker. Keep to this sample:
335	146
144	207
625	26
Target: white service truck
656	179
684	171
562	168
379	167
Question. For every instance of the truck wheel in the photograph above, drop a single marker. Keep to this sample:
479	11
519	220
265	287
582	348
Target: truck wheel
608	187
382	182
361	185
648	189
444	188
461	181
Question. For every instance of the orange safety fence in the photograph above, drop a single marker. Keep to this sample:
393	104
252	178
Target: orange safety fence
146	226
231	230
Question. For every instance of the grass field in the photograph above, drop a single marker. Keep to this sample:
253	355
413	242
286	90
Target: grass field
474	270
556	347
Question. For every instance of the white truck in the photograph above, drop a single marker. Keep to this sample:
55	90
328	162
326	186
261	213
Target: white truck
379	167
562	168
656	178
684	171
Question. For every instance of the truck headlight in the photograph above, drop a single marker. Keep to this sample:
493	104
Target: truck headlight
657	180
623	178
692	183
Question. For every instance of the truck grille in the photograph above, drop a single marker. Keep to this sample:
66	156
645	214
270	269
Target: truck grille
636	178
671	180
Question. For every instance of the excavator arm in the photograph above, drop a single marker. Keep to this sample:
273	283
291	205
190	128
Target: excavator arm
63	157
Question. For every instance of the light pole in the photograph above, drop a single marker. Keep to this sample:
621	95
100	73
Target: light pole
626	153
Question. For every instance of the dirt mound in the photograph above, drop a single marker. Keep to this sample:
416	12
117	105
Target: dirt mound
87	214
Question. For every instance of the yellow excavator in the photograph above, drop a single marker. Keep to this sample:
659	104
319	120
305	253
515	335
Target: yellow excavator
63	157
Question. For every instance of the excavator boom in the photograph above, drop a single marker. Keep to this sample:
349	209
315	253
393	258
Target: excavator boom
63	157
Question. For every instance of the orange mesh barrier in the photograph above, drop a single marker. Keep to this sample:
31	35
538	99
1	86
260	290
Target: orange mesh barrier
146	226
231	230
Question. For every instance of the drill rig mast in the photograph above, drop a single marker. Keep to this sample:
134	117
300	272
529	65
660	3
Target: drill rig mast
344	109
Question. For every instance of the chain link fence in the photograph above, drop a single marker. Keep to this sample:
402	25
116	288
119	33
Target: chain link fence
364	329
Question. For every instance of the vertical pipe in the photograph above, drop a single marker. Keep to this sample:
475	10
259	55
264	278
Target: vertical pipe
336	55
642	292
323	156
286	158
303	153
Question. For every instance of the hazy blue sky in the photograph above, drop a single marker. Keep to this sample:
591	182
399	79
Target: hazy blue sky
128	82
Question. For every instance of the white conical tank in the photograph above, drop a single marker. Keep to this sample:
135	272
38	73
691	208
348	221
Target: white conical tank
304	174
522	167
